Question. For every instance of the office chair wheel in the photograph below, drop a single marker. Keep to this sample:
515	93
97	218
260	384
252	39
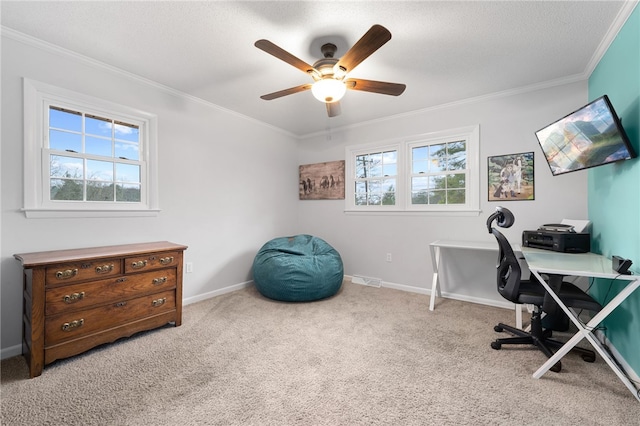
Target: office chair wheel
589	357
496	345
556	367
499	330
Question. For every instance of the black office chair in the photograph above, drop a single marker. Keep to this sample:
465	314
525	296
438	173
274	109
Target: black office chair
517	290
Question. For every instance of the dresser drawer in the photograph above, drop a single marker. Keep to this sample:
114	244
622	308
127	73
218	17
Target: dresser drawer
82	271
83	295
151	261
73	325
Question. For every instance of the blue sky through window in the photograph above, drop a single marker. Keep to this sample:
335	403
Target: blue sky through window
103	137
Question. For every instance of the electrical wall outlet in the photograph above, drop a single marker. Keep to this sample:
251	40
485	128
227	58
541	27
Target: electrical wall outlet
388	257
189	267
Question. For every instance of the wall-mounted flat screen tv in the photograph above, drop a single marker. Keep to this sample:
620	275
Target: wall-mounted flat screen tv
589	137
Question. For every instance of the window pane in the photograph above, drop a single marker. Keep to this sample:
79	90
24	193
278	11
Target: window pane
389	185
100	191
97	146
375	165
65	189
437	157
437	182
389	199
66	167
361	162
127	132
67	120
420	167
127	173
361	199
128	192
130	151
420	153
98	126
390	170
419	183
456	181
419	197
65	141
390	157
457	155
375	199
100	170
456	196
389	192
375	186
361	187
437	197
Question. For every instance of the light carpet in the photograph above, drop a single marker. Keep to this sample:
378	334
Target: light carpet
367	356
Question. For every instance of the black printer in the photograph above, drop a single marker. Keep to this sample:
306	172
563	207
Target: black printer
557	237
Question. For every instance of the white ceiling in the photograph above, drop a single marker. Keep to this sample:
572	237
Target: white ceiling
444	51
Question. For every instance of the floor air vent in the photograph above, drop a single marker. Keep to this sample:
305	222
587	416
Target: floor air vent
373	282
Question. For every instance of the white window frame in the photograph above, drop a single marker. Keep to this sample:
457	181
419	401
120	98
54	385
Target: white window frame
38	97
470	134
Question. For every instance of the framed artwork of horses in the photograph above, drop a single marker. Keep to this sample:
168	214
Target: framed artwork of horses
322	181
511	177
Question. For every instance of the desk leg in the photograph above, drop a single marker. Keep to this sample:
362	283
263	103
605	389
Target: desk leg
519	316
584	331
435	288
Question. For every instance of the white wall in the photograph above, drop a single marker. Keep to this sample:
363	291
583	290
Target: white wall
214	192
507	126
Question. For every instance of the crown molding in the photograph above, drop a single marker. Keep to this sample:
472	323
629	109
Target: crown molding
62	52
622	17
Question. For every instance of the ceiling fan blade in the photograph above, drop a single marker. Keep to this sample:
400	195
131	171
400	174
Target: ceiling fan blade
333	108
285	92
382	87
371	41
283	55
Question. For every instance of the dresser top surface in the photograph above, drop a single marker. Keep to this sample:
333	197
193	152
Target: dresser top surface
31	260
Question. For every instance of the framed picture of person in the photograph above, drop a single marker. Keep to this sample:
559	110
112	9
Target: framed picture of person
511	177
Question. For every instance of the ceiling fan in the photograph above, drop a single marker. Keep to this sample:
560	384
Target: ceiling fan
329	74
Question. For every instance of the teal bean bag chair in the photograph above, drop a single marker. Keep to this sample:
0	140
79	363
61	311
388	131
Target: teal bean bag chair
301	268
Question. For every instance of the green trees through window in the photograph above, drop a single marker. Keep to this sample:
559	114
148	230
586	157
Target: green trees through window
436	172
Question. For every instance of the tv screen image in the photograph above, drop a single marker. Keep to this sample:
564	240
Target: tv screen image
589	137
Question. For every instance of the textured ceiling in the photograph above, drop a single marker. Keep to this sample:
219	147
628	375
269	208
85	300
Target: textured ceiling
444	51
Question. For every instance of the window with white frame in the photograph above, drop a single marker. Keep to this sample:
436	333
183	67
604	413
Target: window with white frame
435	172
85	156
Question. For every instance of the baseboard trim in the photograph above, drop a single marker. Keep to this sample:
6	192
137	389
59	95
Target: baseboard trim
454	296
11	351
628	370
211	294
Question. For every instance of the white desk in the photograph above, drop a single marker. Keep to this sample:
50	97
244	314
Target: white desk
558	265
465	245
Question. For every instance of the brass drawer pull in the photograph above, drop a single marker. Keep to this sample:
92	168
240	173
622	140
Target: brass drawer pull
121	280
166	260
72	298
63	275
104	269
139	264
70	326
158	302
157	281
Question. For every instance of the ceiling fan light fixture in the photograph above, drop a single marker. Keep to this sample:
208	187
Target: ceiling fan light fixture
328	90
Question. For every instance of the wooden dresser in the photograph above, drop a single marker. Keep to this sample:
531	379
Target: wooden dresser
77	299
